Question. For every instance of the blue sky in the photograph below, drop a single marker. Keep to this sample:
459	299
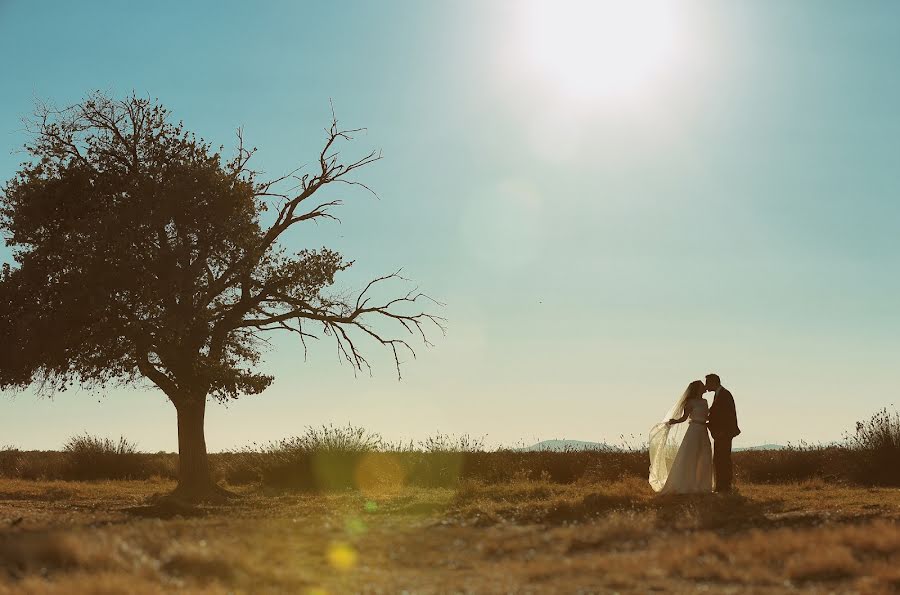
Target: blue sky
738	213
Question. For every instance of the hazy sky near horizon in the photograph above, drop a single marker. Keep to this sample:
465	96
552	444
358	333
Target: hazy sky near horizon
724	201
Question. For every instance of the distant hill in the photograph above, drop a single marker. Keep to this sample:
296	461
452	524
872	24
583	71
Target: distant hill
562	445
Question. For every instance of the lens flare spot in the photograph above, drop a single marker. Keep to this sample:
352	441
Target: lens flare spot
379	473
354	526
342	556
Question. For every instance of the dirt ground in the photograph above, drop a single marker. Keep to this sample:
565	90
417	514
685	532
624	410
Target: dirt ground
524	537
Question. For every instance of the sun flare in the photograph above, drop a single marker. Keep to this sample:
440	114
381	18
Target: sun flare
595	50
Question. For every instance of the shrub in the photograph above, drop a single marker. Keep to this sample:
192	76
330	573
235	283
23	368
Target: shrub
441	460
90	457
310	462
333	439
321	458
879	432
800	462
9	461
868	456
37	465
876	444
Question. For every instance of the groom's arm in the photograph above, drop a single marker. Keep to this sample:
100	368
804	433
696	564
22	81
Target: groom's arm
733	412
712	420
729	407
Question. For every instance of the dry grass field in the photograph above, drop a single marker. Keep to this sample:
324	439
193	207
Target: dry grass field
520	536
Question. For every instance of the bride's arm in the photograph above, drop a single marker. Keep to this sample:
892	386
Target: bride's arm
680	419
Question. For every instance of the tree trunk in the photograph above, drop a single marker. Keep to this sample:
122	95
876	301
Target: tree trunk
194	479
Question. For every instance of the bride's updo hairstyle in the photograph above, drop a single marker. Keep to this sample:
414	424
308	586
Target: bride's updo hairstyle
696	389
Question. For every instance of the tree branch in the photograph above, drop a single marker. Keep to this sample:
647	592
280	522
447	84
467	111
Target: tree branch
330	170
339	318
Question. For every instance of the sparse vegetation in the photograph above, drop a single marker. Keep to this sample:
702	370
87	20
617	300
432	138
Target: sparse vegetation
329	457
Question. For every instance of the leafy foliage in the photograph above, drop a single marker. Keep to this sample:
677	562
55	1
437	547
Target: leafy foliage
140	251
111	227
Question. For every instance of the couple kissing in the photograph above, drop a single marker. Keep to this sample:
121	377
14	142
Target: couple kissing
684	462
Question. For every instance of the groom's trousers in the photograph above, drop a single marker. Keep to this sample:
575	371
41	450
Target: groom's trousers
722	463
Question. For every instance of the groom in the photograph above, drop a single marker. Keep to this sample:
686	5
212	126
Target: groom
723	428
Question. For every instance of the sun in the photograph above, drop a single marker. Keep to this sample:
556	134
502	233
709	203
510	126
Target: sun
598	50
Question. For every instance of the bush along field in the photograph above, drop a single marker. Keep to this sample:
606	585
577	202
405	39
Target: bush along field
329	457
338	510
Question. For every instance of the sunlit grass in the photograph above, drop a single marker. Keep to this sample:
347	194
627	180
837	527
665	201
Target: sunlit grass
339	511
522	535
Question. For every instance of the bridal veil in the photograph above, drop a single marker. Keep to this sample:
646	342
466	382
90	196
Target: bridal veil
664	442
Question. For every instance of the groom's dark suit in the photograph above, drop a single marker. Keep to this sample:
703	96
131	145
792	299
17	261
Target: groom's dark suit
723	428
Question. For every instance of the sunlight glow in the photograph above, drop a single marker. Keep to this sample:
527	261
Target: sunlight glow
599	50
342	556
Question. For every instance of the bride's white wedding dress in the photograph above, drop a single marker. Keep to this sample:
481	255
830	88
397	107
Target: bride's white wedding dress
682	466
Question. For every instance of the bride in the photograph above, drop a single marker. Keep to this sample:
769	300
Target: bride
682	465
